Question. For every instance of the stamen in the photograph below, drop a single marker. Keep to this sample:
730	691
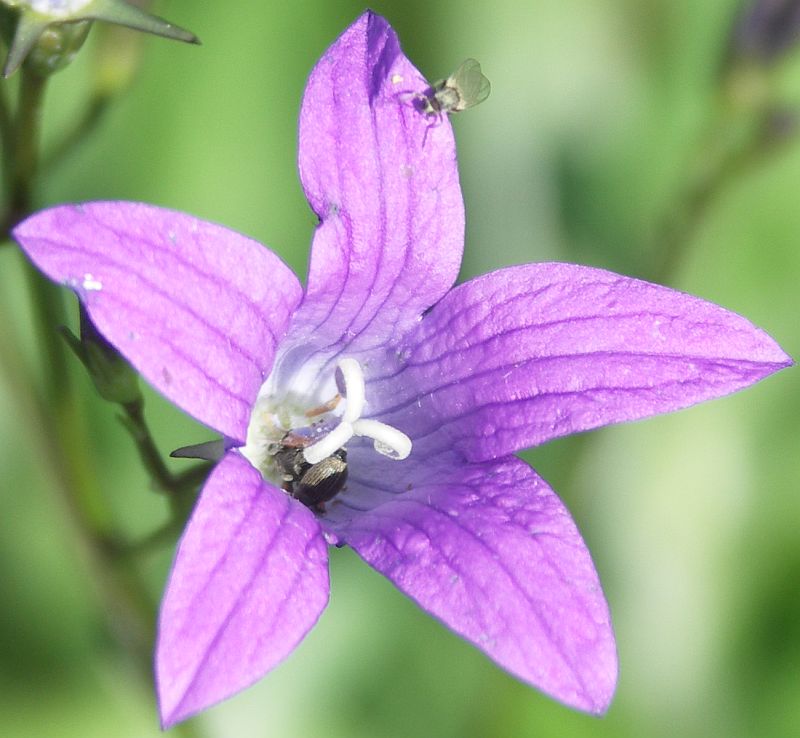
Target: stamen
352	388
326	407
388	440
329	443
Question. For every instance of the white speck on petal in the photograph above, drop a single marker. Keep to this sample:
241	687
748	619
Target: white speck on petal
90	284
397	79
331	538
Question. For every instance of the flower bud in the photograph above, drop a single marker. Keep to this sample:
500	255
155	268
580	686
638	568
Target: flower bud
112	375
765	29
50	32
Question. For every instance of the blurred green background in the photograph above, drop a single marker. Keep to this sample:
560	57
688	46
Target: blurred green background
590	134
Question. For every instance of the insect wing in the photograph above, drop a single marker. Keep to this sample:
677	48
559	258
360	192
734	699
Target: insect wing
472	85
322	481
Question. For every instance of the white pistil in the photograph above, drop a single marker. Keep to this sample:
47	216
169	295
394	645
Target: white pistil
353	389
388	440
329	443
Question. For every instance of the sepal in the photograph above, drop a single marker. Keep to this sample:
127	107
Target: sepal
48	34
113	377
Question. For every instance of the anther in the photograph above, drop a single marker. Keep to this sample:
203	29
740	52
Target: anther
326	407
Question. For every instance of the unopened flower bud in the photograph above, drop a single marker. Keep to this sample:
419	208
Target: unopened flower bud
765	29
112	375
50	32
55	45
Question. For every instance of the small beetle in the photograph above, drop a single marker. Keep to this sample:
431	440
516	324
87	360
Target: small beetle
312	484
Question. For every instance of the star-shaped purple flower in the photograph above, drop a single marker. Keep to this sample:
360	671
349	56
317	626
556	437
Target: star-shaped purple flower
429	388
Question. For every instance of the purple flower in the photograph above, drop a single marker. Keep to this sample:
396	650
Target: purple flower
383	356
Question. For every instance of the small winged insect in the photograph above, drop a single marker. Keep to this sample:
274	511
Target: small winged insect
464	88
312	484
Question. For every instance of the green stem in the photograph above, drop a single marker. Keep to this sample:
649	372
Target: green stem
181	487
57	422
712	164
24	158
6	137
56	431
93	114
716	172
47	305
151	457
60	431
165	535
5	114
746	125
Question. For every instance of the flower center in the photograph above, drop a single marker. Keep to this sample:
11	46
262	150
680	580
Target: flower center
304	450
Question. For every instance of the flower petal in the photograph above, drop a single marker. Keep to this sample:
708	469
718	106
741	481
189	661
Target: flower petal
196	308
526	354
249	581
491	551
382	177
